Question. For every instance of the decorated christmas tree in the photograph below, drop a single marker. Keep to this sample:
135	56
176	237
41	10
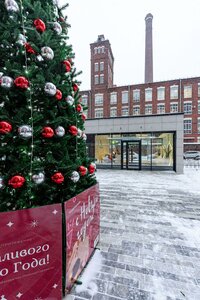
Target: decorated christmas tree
43	157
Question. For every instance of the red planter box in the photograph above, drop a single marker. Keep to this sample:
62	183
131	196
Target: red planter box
31	249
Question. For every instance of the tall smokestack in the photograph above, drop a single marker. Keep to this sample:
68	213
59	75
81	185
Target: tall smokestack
148	50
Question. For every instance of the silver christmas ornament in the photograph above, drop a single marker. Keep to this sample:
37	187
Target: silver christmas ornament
1	182
38	178
6	82
11	6
60	131
57	27
50	89
75	176
39	58
79	134
70	100
21	40
84	136
25	131
47	53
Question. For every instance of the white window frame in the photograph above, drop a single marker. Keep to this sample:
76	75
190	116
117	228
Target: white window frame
172	88
101	66
148	92
147	110
186	112
96	79
124	97
98	99
160	93
95	50
136	110
188	131
173	110
187	91
84	99
96	67
136	95
127	111
113	108
98	113
199	107
113	98
101	79
159	110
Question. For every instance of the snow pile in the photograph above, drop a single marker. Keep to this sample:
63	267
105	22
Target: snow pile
88	276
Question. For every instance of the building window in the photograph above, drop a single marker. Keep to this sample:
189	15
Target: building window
99	49
148	109
101	66
187	108
99	99
174	92
161	108
173	107
84	99
103	49
96	67
187	126
187	91
113	98
199	107
161	93
99	113
102	78
124	111
113	111
125	97
95	50
148	94
136	95
96	79
198	90
198	124
136	110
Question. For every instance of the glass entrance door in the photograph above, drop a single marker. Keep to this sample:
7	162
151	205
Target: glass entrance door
131	155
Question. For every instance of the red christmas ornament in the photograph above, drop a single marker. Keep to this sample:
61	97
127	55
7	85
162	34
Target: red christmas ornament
47	132
58	178
82	170
79	108
67	65
29	49
92	168
5	127
73	130
58	95
83	116
21	82
16	181
75	87
39	25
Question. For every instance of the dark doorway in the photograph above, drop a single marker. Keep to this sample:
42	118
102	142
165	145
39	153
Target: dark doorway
131	155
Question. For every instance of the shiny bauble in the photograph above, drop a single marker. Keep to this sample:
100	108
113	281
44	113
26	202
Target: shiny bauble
29	49
79	133
67	65
25	131
60	131
38	178
1	182
58	95
75	176
70	100
47	132
39	25
58	178
84	136
92	168
6	82
83	117
79	108
21	82
47	53
73	130
11	6
21	40
5	127
75	87
16	181
82	170
50	89
57	28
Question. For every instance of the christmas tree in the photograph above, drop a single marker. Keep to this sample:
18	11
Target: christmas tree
43	157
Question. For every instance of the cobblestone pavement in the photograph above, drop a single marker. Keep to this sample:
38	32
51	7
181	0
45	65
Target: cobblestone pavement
150	237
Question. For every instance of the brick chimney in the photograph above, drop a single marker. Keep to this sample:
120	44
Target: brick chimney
148	50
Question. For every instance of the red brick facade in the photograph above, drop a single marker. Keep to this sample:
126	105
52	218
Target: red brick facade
180	95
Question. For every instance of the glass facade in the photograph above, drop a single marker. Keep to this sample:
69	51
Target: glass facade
146	151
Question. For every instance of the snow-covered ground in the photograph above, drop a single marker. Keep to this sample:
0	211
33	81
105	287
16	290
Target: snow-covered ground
150	238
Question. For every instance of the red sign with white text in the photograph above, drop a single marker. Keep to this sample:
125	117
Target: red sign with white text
82	231
31	254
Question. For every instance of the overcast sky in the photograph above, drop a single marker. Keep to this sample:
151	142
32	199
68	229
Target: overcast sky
176	37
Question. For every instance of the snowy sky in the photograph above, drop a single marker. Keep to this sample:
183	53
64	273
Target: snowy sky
176	32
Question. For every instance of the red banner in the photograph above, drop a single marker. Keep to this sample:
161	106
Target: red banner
31	254
82	231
